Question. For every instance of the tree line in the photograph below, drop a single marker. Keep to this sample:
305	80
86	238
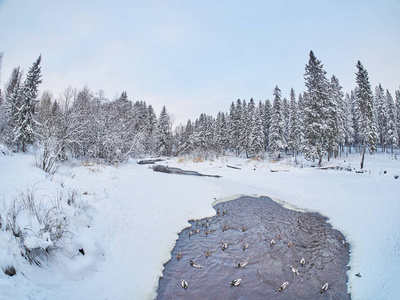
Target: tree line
319	122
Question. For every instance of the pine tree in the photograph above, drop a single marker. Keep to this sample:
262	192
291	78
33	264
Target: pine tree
266	120
349	125
9	108
380	114
25	123
365	102
256	143
397	105
337	117
276	135
391	134
164	134
295	128
316	110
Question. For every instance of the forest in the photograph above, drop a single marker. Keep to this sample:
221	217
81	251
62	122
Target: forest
321	122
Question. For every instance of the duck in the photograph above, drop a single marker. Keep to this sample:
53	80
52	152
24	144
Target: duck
290	244
197	230
195	265
302	262
207	225
184	284
283	286
279	236
224	246
236	282
224	212
294	270
190	234
242	264
179	256
224	229
273	242
208	253
245	246
324	287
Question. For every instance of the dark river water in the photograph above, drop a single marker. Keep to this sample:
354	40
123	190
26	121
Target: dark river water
257	221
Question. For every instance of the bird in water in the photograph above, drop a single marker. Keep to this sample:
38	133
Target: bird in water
294	270
242	264
324	287
208	253
190	234
290	244
283	286
302	262
224	246
273	242
236	282
224	212
358	274
279	236
208	232
179	256
184	284
197	230
245	246
195	265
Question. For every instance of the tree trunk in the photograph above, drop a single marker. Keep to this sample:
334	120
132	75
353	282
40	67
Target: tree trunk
362	158
320	161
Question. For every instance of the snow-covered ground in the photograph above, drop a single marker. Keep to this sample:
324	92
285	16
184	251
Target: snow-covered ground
136	215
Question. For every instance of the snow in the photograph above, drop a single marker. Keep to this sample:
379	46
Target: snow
135	216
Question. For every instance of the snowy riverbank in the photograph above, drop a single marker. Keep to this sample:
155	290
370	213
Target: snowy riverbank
136	216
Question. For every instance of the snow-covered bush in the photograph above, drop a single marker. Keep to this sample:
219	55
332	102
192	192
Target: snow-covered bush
40	224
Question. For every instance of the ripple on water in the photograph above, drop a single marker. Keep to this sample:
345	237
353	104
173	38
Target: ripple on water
256	221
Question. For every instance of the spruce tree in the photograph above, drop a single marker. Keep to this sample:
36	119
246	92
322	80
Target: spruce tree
24	132
295	129
349	124
164	134
277	140
316	110
397	105
11	103
380	114
391	134
365	103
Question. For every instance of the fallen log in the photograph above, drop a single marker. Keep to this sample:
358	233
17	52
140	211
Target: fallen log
237	168
149	161
170	170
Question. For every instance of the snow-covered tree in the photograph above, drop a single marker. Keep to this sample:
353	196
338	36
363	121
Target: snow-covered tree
164	133
277	140
336	118
391	134
397	105
380	114
316	110
24	132
266	121
8	110
295	129
365	102
349	124
256	143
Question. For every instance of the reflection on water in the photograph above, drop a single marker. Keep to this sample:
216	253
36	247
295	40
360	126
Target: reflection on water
251	223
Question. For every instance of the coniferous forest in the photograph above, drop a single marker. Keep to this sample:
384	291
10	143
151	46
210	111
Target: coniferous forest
321	122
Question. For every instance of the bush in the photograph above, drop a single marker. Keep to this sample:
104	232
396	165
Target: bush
39	224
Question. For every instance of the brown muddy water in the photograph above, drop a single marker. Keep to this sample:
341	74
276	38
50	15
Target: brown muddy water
257	221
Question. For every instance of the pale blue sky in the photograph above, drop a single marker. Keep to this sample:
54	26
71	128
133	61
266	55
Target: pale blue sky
198	56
